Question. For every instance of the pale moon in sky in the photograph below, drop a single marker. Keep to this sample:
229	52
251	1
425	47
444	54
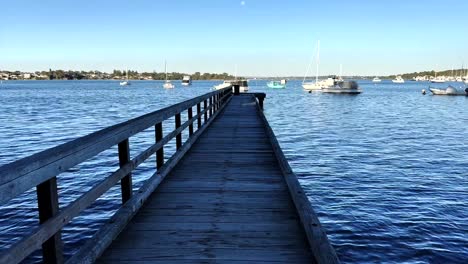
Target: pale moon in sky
242	2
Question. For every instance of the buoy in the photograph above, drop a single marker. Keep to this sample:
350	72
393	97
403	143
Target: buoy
423	91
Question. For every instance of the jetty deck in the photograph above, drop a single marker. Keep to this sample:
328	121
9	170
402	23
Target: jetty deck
228	195
226	200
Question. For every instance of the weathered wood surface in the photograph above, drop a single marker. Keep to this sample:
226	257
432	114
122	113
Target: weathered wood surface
53	218
226	201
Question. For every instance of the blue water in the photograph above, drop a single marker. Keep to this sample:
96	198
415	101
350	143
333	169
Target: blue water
384	170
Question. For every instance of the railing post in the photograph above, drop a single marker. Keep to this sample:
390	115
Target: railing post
179	136
236	89
190	116
47	199
160	153
204	108
215	102
261	98
198	115
211	106
126	182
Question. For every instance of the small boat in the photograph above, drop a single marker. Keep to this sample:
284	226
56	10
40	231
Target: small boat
243	85
376	79
187	80
438	80
450	90
398	79
223	85
167	84
126	82
343	87
276	85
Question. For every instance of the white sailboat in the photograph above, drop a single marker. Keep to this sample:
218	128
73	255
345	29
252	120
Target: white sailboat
167	84
376	79
126	82
314	86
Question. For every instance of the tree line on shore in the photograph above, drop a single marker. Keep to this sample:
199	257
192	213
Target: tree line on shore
116	74
455	72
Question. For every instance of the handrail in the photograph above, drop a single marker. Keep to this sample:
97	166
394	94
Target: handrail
40	170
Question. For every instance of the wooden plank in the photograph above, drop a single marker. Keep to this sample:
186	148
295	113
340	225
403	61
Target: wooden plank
220	254
145	239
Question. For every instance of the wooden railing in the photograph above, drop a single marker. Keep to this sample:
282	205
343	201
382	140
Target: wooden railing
40	170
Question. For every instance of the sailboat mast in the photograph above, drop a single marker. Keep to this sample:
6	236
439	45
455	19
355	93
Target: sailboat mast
235	72
341	71
318	61
165	68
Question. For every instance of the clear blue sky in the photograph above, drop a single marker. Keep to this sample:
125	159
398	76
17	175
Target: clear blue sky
263	37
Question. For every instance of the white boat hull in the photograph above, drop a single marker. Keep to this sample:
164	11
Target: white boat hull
124	83
341	91
311	87
449	91
222	86
169	86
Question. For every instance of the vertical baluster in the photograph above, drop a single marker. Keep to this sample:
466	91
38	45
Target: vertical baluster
160	153
126	182
204	108
179	136
47	199
198	114
211	106
190	116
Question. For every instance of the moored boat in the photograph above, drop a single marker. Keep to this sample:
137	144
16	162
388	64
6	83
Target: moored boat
398	79
167	84
438	80
343	87
450	90
243	85
126	82
187	80
313	86
376	79
223	85
276	85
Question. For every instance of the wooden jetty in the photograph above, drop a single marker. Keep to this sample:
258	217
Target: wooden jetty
227	195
